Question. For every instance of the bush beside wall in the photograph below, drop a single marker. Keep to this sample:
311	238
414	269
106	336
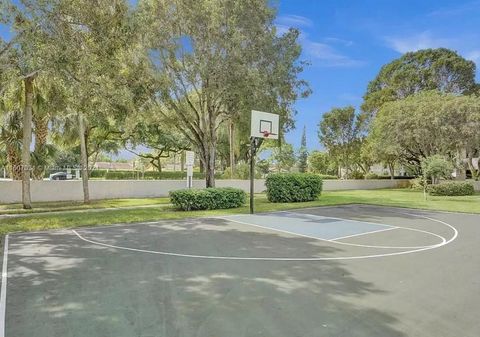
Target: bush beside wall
208	198
293	187
451	188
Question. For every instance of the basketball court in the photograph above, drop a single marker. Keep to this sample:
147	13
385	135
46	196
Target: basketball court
329	271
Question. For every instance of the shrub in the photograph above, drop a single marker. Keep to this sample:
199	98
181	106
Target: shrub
242	171
207	198
151	175
293	187
451	188
371	175
97	173
356	175
436	167
327	177
417	184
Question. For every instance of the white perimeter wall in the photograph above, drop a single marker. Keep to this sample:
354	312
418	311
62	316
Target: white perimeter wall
10	191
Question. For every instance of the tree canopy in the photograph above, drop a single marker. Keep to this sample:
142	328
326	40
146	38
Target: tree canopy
426	124
439	69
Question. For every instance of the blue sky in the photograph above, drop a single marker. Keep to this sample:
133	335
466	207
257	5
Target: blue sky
347	42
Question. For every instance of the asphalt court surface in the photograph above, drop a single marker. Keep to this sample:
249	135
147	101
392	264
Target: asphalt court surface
331	271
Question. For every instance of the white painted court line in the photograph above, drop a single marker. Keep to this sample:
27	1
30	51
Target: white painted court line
211	257
335	218
371	232
443	240
3	290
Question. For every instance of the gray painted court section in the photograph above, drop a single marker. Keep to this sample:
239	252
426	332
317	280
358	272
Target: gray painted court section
315	226
61	286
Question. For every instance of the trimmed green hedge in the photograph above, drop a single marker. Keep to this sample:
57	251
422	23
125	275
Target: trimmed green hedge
147	175
208	198
150	175
327	177
293	187
451	188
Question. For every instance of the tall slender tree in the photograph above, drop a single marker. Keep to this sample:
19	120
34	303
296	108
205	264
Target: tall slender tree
303	153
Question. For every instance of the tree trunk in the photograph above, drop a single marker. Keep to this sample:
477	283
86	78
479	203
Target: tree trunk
84	159
210	166
391	169
460	172
27	140
231	143
15	162
41	134
474	171
182	161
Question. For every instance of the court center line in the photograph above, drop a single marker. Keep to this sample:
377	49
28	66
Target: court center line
3	290
371	232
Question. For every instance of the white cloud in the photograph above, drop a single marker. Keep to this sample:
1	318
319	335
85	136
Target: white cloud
425	40
328	55
326	51
416	42
474	55
295	21
336	40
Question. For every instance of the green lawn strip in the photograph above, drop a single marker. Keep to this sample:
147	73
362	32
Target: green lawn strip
78	205
414	199
75	219
397	198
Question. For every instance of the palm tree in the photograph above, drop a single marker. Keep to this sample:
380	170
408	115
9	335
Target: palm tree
11	139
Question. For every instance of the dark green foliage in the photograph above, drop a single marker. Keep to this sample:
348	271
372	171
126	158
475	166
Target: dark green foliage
148	175
428	69
98	173
293	187
207	198
374	176
303	153
327	176
356	175
451	188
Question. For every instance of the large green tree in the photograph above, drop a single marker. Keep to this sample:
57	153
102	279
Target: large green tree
283	157
320	162
342	131
429	123
91	52
429	69
213	62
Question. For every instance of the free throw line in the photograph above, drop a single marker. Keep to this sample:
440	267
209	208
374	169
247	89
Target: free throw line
3	290
358	234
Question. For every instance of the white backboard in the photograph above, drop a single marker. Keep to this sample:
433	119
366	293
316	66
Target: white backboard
189	158
264	122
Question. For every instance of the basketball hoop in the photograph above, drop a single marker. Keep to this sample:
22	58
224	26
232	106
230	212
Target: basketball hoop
263	125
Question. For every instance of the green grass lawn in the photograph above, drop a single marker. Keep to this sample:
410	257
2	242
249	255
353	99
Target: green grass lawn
391	197
77	205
